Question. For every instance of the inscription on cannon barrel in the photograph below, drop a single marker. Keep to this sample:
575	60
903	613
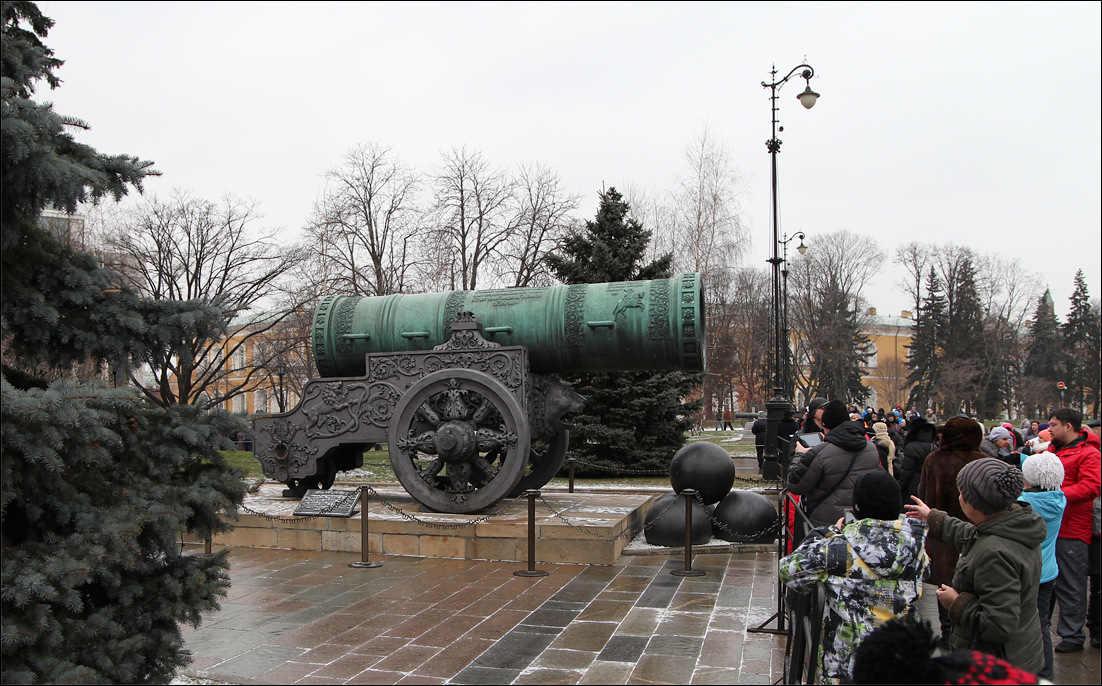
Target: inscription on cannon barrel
327	503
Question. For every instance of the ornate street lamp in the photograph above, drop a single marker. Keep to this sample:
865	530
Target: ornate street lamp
780	402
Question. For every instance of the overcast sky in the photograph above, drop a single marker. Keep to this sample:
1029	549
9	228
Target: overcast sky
977	124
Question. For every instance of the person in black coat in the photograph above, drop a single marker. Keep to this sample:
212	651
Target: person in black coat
761	424
916	446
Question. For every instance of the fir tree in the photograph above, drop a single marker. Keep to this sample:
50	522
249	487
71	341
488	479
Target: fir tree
964	341
98	485
838	349
1079	356
632	420
1044	341
924	354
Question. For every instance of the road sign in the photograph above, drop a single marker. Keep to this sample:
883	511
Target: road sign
1061	385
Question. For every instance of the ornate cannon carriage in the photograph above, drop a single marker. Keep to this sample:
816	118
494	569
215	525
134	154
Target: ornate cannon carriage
461	385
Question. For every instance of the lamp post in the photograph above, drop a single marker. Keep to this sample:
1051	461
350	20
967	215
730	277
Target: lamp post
785	338
780	402
280	370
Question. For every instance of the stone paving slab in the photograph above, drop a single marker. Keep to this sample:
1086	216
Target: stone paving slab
429	620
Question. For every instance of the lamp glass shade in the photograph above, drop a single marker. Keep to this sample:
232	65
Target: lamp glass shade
808	97
801	248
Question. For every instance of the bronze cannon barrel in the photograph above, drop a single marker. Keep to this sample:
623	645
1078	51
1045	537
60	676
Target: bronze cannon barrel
600	327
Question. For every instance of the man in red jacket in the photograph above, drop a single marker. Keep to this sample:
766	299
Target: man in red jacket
1078	451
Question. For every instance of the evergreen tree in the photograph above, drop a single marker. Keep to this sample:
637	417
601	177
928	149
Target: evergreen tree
838	349
1079	356
924	354
1037	389
1092	376
632	420
1044	341
97	485
964	341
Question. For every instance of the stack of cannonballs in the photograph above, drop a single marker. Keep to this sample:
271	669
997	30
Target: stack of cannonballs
747	517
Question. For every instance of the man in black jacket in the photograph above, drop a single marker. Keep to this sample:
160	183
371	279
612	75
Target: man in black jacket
825	474
916	446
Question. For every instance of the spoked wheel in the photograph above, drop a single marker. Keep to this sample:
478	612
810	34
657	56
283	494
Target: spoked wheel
323	480
459	441
545	459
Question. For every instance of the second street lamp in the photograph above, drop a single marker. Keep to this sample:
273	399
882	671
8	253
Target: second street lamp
780	402
785	338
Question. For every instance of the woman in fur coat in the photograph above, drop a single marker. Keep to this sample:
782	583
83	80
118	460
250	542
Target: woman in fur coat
959	445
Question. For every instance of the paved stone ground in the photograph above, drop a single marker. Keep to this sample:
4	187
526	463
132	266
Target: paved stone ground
308	618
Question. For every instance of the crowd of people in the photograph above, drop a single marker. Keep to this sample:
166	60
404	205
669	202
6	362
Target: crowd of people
1003	522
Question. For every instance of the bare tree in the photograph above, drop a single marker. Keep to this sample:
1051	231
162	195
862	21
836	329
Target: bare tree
656	212
541	217
473	219
365	224
827	313
915	259
708	234
889	380
187	248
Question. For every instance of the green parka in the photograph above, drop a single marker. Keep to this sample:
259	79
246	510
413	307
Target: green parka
997	578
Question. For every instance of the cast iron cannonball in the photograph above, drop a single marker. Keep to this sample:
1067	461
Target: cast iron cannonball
746	513
704	467
669	510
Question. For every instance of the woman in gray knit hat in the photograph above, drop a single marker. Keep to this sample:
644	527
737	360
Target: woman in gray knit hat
992	601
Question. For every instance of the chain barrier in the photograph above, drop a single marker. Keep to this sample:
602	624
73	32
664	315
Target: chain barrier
647	525
407	516
621	470
716	524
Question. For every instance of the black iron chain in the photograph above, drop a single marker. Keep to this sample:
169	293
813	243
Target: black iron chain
407	516
722	526
587	532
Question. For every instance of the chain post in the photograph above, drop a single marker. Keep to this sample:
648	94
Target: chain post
570	464
531	571
688	570
364	563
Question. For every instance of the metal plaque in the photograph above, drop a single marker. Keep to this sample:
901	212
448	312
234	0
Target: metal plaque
327	503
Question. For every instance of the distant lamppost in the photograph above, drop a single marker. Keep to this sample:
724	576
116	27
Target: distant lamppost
785	337
780	402
280	370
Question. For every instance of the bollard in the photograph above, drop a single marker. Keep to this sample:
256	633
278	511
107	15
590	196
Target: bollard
688	571
364	563
207	545
570	464
531	571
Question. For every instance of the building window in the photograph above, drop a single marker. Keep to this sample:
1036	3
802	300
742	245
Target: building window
871	356
260	401
239	358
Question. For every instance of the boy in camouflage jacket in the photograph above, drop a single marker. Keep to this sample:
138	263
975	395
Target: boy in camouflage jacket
872	570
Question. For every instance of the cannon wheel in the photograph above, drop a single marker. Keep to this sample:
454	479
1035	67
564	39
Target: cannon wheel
459	441
327	473
546	458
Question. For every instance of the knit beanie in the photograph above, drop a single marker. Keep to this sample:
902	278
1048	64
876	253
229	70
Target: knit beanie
997	433
1044	470
901	651
990	485
834	413
876	495
881	430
